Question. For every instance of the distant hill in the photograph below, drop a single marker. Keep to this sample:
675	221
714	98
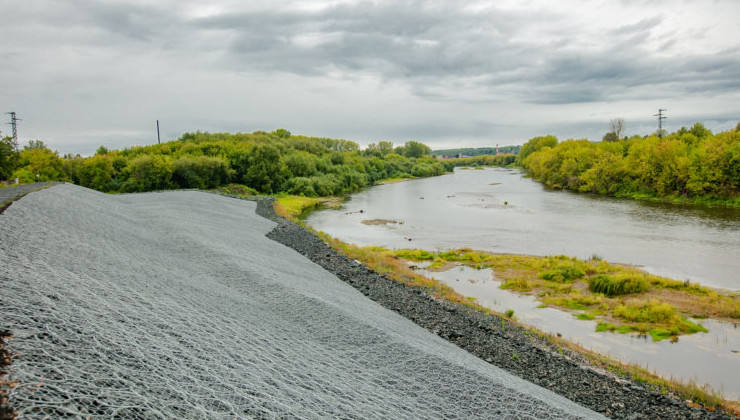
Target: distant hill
469	151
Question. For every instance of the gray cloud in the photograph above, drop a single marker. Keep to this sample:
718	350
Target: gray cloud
424	46
445	66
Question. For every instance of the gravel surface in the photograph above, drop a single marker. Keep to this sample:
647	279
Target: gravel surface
508	346
176	305
10	194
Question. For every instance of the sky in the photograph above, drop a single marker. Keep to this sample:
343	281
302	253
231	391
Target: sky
80	73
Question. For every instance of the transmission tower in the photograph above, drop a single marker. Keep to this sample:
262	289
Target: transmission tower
661	117
14	126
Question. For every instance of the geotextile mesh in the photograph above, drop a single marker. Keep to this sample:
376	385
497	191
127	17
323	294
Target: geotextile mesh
175	305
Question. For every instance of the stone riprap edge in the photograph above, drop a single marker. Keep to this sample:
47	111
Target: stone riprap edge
491	338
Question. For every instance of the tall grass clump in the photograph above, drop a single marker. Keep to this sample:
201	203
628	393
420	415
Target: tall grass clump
619	284
652	311
563	273
414	254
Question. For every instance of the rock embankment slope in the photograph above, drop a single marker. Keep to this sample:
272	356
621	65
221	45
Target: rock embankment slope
176	305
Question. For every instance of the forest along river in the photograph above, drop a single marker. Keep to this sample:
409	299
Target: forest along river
499	210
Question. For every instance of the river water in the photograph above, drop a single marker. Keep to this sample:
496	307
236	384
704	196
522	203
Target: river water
499	210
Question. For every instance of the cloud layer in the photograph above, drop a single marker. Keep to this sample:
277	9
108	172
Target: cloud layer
82	73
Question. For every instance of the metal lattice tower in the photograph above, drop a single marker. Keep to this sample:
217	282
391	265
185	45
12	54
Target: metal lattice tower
14	125
661	117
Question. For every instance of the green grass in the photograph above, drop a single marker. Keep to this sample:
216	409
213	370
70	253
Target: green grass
564	273
619	284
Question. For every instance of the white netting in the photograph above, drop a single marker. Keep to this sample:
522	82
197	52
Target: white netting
175	305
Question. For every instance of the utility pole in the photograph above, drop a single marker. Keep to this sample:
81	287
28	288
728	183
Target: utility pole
158	140
14	125
661	117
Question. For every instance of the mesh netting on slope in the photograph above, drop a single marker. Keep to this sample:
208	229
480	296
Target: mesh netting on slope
175	305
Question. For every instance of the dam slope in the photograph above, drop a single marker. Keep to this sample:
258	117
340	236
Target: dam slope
176	305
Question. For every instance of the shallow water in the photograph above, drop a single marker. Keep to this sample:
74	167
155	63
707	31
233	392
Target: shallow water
499	210
703	357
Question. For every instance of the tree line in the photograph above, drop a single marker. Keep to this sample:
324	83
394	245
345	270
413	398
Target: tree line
478	151
270	163
691	164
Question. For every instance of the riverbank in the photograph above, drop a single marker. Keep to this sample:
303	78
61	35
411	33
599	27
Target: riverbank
495	339
177	305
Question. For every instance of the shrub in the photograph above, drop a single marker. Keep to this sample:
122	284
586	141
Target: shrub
621	284
414	254
562	274
652	311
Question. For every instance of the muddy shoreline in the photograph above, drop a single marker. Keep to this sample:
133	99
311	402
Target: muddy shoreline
493	339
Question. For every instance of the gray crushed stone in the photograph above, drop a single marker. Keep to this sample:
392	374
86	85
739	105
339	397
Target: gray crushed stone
15	192
176	305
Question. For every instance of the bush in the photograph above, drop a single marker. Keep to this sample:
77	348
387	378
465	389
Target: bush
621	284
651	311
563	274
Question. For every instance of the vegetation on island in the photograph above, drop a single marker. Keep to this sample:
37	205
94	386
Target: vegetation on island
269	163
621	298
692	165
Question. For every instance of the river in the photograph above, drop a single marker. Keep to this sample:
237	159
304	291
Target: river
500	210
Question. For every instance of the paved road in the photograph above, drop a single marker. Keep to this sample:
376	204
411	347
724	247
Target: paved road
176	305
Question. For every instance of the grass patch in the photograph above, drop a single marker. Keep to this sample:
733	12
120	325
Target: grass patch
620	284
236	189
295	207
563	274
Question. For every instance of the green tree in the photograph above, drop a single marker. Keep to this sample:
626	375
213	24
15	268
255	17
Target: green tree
148	173
415	149
281	133
616	130
96	172
39	163
264	173
535	144
201	172
386	147
700	131
300	164
8	157
34	145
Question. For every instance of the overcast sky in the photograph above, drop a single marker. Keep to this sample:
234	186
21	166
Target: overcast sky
82	73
